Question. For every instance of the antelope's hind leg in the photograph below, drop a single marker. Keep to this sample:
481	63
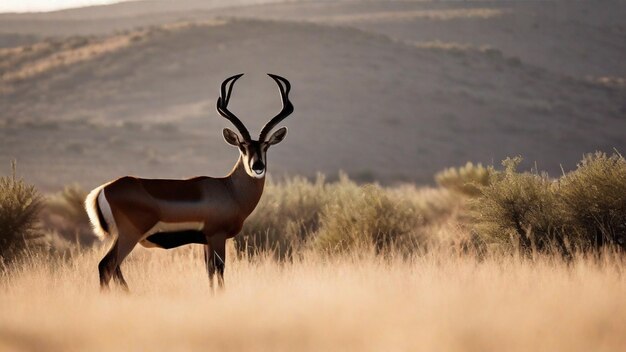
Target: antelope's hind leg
109	267
119	278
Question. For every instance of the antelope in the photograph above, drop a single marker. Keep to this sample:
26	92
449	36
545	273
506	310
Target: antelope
167	213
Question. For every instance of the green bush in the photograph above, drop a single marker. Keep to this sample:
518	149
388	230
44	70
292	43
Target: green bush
19	208
466	180
519	210
594	200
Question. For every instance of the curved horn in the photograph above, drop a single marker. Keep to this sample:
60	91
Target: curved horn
287	106
222	105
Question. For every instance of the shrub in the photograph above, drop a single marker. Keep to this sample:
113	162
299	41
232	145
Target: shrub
594	199
286	215
19	207
369	219
342	216
465	180
519	210
65	214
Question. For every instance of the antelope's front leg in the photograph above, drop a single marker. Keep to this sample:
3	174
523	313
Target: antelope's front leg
209	263
217	245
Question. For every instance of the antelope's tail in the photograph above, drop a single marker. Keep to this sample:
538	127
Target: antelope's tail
95	204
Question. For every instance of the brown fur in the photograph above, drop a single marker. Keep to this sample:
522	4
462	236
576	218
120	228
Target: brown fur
141	208
221	204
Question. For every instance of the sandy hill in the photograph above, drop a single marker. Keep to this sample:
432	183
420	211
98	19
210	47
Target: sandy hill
370	99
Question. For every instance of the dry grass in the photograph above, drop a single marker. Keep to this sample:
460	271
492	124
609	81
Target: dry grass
437	302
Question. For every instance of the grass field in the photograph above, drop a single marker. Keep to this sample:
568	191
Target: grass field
436	302
527	256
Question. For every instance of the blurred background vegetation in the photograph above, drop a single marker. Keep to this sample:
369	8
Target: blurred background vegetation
473	209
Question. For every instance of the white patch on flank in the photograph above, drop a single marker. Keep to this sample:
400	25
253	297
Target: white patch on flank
96	199
170	227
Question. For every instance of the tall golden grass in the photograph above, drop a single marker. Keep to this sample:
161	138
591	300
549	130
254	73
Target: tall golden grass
354	302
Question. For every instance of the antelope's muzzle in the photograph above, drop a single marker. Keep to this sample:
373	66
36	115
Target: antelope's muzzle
258	167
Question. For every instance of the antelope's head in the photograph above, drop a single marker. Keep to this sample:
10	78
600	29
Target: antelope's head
253	153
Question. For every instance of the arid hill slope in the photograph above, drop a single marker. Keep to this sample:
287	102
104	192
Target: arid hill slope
85	108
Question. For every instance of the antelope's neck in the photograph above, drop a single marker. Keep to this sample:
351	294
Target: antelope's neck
246	190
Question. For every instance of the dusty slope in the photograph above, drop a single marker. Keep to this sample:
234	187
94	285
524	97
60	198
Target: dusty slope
109	18
398	106
578	38
365	103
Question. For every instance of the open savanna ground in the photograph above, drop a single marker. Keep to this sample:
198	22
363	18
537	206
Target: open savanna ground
361	302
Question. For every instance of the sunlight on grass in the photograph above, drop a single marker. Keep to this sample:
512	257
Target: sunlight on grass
353	302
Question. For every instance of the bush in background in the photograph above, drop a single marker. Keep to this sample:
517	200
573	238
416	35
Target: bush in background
286	215
369	219
466	180
64	215
20	204
518	209
342	216
594	200
475	209
584	209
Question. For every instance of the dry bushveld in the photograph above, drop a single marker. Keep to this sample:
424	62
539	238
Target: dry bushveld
485	258
490	260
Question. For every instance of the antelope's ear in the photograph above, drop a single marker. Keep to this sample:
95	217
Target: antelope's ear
231	137
278	136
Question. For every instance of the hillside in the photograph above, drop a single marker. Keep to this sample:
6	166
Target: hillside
368	101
